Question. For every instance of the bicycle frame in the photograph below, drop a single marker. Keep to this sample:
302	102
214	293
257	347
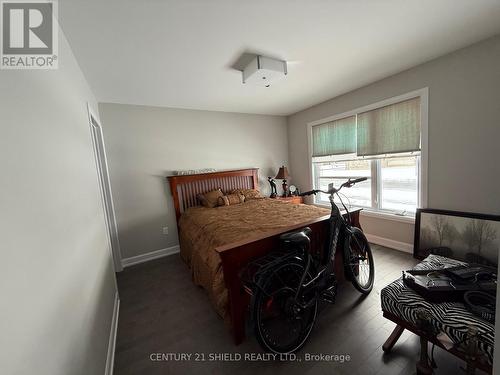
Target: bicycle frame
290	283
337	223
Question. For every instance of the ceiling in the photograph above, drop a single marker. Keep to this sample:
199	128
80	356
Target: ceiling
181	53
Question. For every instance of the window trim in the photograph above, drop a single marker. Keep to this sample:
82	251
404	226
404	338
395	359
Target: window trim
368	212
423	93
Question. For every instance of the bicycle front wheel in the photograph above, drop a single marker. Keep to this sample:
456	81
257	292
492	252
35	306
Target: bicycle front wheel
358	260
281	325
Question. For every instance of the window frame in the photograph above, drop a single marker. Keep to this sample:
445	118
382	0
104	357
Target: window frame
422	161
375	182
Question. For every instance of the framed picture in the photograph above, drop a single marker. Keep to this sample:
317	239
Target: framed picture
466	236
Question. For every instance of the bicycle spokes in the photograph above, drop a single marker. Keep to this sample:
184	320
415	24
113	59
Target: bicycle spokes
282	322
359	262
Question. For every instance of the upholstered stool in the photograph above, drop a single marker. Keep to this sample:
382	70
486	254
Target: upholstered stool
411	311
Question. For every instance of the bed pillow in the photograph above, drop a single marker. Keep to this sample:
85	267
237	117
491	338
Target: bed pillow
248	193
230	199
210	199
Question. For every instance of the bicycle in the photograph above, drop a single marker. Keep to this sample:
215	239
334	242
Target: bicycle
287	285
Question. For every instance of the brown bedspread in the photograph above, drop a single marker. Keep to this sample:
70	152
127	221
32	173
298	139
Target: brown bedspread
202	229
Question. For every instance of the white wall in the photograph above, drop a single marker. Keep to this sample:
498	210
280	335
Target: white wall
464	131
145	144
57	284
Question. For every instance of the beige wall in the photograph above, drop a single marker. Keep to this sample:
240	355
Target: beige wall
464	131
145	144
57	283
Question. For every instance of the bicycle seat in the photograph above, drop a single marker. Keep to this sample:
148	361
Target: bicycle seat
301	236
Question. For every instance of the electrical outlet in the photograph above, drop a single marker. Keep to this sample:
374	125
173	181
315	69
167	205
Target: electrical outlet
165	231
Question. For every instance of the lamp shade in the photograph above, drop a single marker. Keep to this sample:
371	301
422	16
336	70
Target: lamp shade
282	173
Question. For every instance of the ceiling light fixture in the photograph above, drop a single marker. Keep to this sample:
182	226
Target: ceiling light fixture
263	71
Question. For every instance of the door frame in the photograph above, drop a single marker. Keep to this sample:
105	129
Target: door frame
105	187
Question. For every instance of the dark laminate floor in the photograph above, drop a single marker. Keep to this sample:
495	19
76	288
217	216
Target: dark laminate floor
163	312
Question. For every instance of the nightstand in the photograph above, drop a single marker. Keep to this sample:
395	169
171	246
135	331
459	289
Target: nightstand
293	199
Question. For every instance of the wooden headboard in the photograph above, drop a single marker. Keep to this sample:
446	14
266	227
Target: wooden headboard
185	188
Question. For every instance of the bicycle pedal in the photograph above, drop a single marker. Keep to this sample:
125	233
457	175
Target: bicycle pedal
330	294
327	282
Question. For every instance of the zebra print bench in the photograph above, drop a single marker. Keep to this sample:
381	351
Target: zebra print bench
402	305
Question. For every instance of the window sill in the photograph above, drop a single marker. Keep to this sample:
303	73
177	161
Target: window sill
388	216
380	215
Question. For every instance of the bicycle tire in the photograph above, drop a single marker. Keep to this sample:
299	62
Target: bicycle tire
352	257
259	299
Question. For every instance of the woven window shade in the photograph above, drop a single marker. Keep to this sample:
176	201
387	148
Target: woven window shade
391	129
335	137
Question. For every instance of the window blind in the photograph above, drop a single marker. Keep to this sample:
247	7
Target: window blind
335	137
391	129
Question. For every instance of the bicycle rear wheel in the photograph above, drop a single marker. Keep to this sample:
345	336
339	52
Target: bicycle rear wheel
281	326
358	260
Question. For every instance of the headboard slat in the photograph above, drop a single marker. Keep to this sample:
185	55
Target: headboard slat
185	188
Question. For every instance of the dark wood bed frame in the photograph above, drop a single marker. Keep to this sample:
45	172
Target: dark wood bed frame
234	256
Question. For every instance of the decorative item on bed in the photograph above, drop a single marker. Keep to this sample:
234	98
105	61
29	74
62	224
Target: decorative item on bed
185	172
465	236
210	199
248	194
230	199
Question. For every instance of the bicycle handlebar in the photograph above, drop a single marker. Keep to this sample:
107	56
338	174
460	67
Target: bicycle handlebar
310	192
347	184
355	181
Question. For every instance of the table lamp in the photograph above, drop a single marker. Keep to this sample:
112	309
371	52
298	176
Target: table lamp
283	175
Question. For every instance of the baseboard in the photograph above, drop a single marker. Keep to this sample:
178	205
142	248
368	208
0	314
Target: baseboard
110	359
127	262
387	242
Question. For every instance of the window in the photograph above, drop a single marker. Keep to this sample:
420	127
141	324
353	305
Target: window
399	184
382	142
338	172
392	184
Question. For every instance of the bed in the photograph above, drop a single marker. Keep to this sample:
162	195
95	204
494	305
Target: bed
217	242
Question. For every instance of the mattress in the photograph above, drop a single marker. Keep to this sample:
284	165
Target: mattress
453	318
203	229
